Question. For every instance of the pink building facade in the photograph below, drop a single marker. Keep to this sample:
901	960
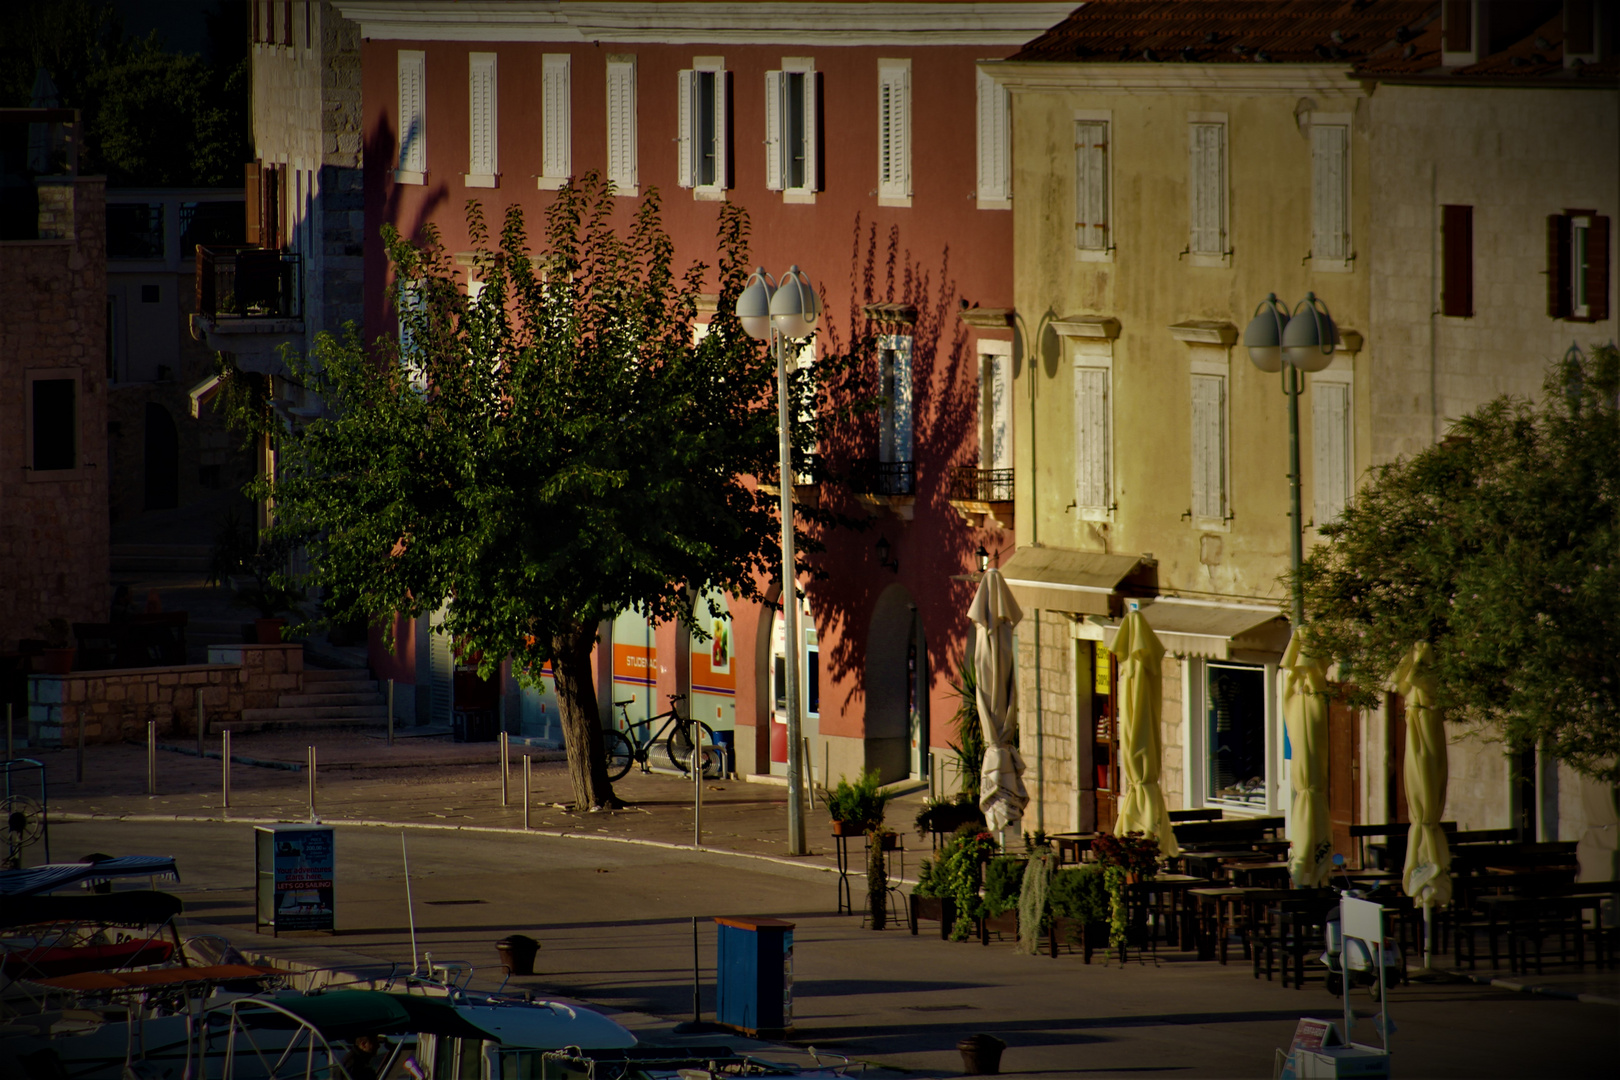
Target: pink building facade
867	150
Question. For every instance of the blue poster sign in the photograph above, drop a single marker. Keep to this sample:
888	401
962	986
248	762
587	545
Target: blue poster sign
301	869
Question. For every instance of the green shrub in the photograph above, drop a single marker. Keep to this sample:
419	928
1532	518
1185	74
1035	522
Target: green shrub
859	804
1003	883
1079	894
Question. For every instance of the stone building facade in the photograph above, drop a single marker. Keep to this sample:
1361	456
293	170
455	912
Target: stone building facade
53	413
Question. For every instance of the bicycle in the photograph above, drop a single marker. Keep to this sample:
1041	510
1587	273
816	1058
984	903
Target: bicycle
625	748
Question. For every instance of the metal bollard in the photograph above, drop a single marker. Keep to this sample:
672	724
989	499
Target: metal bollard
506	760
225	769
202	723
310	766
151	757
697	795
527	774
11	748
78	762
390	712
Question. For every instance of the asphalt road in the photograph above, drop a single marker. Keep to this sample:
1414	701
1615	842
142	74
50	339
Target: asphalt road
614	920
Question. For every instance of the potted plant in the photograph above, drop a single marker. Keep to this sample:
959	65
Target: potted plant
954	879
265	589
1125	860
928	902
945	815
57	657
856	808
1078	908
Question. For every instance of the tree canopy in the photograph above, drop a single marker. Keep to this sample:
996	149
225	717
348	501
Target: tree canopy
559	448
1500	546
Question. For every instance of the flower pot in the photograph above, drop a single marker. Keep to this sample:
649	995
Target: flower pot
56	661
890	841
517	953
845	828
981	1055
269	630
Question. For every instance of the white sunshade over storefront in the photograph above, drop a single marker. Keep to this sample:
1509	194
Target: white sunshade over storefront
1061	579
1211	629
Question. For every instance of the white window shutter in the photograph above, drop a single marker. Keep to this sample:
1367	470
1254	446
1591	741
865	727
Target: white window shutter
812	151
774	122
721	130
1091	185
994	143
1209	446
412	114
1001	413
1091	437
621	120
1207	182
1329	206
481	120
557	141
894	114
1331	438
902	405
686	111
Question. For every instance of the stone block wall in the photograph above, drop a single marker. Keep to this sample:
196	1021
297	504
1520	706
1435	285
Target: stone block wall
116	705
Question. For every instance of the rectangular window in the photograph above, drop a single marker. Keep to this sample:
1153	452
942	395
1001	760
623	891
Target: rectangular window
995	405
621	125
1580	32
894	389
704	131
1209	448
1578	266
556	136
894	132
791	128
1236	697
1092	438
53	424
1330	438
412	118
1457	261
135	231
1206	184
1091	196
995	145
482	165
1457	33
1330	196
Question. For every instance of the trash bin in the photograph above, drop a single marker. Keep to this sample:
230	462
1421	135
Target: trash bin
517	952
981	1055
754	976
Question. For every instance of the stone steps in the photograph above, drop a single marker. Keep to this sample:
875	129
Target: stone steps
344	713
160	558
323	699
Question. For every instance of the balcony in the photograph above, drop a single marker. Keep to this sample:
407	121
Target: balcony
249	302
982	496
806	482
885	485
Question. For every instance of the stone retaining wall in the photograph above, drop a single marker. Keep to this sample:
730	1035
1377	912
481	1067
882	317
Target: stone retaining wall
116	705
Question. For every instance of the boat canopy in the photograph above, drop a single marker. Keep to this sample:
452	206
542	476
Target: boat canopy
347	1014
43	879
106	981
124	909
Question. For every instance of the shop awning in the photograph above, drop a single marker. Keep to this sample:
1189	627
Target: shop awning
1062	579
1211	628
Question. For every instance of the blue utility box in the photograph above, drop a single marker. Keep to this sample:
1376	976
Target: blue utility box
754	976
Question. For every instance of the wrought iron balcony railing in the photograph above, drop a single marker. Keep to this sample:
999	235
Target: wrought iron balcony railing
249	283
972	484
886	478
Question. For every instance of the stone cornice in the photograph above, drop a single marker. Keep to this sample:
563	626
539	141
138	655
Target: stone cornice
1089	327
1031	75
683	23
1205	332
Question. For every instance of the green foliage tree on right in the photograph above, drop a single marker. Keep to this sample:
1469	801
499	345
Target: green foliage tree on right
1500	546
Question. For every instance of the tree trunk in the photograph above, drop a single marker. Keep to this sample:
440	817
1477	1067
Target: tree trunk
582	723
877	883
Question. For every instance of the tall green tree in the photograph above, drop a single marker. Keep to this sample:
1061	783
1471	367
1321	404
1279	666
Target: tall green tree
1501	547
553	452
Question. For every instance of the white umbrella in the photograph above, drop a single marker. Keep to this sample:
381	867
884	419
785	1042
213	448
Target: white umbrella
1141	742
1001	782
1427	875
1305	710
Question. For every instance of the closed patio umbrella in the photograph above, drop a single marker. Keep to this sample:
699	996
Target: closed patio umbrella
994	612
1426	877
1305	710
1141	743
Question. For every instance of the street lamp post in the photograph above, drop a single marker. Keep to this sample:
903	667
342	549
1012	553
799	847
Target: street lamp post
776	312
1292	344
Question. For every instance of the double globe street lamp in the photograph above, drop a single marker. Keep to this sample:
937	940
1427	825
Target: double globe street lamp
776	311
1292	344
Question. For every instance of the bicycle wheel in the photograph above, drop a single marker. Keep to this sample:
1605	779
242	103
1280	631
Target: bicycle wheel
681	747
619	755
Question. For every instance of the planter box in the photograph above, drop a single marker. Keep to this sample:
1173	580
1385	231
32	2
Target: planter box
1003	925
1088	937
941	909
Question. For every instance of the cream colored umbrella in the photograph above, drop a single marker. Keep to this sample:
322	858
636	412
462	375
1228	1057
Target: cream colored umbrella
1427	875
994	612
1305	710
1141	744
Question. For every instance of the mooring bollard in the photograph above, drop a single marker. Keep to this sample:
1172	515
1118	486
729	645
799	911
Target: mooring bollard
225	769
506	751
151	757
527	774
310	765
390	712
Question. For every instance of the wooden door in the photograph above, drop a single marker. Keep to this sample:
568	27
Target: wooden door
1105	739
1344	776
1395	755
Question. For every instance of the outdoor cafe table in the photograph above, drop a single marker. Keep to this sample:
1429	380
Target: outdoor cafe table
1258	874
1524	914
1224	910
1070	846
1212	863
1169	898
